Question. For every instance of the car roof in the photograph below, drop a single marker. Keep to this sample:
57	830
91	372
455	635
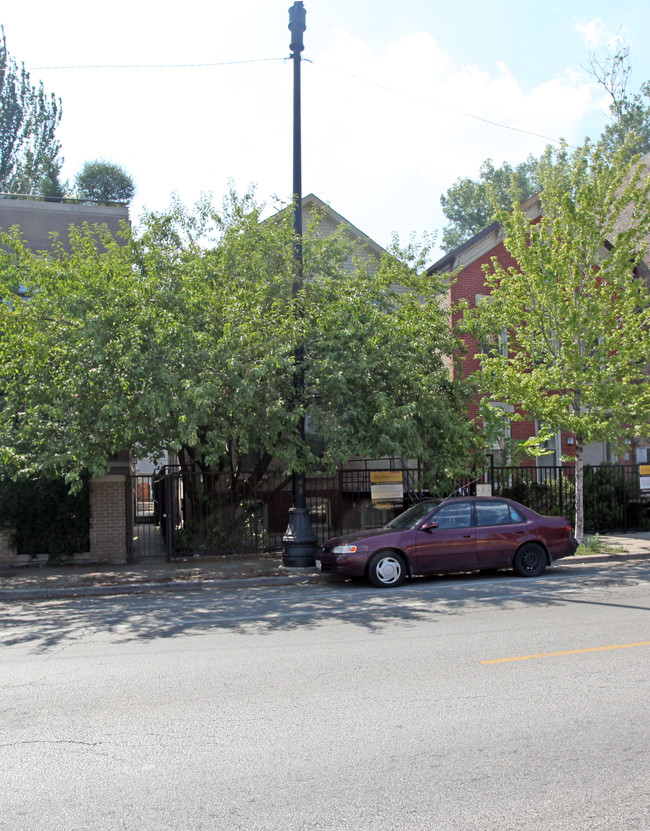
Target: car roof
436	501
472	498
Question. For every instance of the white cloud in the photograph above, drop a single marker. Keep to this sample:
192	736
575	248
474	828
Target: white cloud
593	32
389	122
598	36
398	127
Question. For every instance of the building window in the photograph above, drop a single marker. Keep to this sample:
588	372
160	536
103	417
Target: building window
495	345
552	455
501	448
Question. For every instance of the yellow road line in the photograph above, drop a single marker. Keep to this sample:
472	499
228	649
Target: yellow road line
567	652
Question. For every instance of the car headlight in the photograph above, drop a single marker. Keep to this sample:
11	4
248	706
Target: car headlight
345	549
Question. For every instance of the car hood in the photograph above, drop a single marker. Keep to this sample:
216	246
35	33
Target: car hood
358	536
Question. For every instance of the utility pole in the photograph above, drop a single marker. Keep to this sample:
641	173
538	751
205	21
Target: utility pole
299	541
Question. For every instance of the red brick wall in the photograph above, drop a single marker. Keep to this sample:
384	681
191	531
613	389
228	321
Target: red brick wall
108	519
469	283
7	551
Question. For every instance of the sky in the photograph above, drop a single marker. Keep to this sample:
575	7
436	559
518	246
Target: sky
399	99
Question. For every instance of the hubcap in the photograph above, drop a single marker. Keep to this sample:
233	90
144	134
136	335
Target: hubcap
531	560
389	570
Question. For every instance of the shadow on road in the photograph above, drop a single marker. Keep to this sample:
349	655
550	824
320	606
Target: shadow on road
140	617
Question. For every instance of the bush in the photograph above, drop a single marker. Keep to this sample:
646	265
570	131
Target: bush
218	532
44	517
554	496
610	494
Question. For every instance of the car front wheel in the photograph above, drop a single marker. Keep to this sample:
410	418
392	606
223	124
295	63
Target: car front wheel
386	569
530	560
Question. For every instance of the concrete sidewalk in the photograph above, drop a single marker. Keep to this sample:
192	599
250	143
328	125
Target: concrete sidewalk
149	574
156	574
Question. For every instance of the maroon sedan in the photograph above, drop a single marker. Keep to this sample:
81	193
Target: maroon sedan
457	534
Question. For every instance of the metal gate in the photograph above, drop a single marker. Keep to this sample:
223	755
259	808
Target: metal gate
143	519
181	514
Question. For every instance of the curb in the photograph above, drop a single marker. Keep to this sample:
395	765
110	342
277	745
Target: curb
172	585
605	558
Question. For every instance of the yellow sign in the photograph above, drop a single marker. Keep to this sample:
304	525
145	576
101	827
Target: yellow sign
644	477
377	476
386	486
392	491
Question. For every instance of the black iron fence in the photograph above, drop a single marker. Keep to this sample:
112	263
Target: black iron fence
187	514
613	498
215	513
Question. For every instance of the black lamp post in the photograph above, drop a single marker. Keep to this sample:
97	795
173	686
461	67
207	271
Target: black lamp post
299	541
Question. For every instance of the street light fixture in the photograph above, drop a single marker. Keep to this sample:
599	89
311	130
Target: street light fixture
299	541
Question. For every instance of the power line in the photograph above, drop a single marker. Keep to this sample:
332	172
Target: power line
442	106
158	65
447	107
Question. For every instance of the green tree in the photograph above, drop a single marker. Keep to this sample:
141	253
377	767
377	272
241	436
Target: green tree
576	314
104	183
629	112
184	338
29	118
469	204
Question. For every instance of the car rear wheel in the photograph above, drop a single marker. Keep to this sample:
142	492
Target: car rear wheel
530	560
386	569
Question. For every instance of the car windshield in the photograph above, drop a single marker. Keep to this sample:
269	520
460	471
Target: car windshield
410	518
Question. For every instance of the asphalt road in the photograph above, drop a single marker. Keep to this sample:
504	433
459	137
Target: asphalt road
480	702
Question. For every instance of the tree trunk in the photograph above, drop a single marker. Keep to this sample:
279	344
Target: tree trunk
580	502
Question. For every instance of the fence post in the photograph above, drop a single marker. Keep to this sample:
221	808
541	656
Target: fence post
130	517
339	511
170	524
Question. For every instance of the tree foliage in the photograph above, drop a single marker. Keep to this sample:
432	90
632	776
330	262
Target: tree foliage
29	118
469	204
104	183
577	316
183	337
629	112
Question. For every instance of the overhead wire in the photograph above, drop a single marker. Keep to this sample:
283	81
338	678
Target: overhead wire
157	65
444	106
448	107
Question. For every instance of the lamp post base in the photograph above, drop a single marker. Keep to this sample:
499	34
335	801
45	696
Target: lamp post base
299	543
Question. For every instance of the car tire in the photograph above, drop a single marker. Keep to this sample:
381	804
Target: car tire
530	560
387	569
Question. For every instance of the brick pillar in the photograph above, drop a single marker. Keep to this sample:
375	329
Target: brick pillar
7	551
108	519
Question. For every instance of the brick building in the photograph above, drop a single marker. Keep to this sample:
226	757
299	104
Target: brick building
468	260
38	220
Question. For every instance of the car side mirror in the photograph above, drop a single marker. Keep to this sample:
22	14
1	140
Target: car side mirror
429	526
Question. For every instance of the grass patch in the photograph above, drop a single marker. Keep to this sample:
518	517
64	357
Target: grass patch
594	545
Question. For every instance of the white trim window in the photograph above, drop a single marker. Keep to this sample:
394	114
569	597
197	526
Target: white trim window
495	345
501	450
553	447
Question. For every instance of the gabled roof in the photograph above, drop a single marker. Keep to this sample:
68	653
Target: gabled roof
311	202
450	261
473	248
